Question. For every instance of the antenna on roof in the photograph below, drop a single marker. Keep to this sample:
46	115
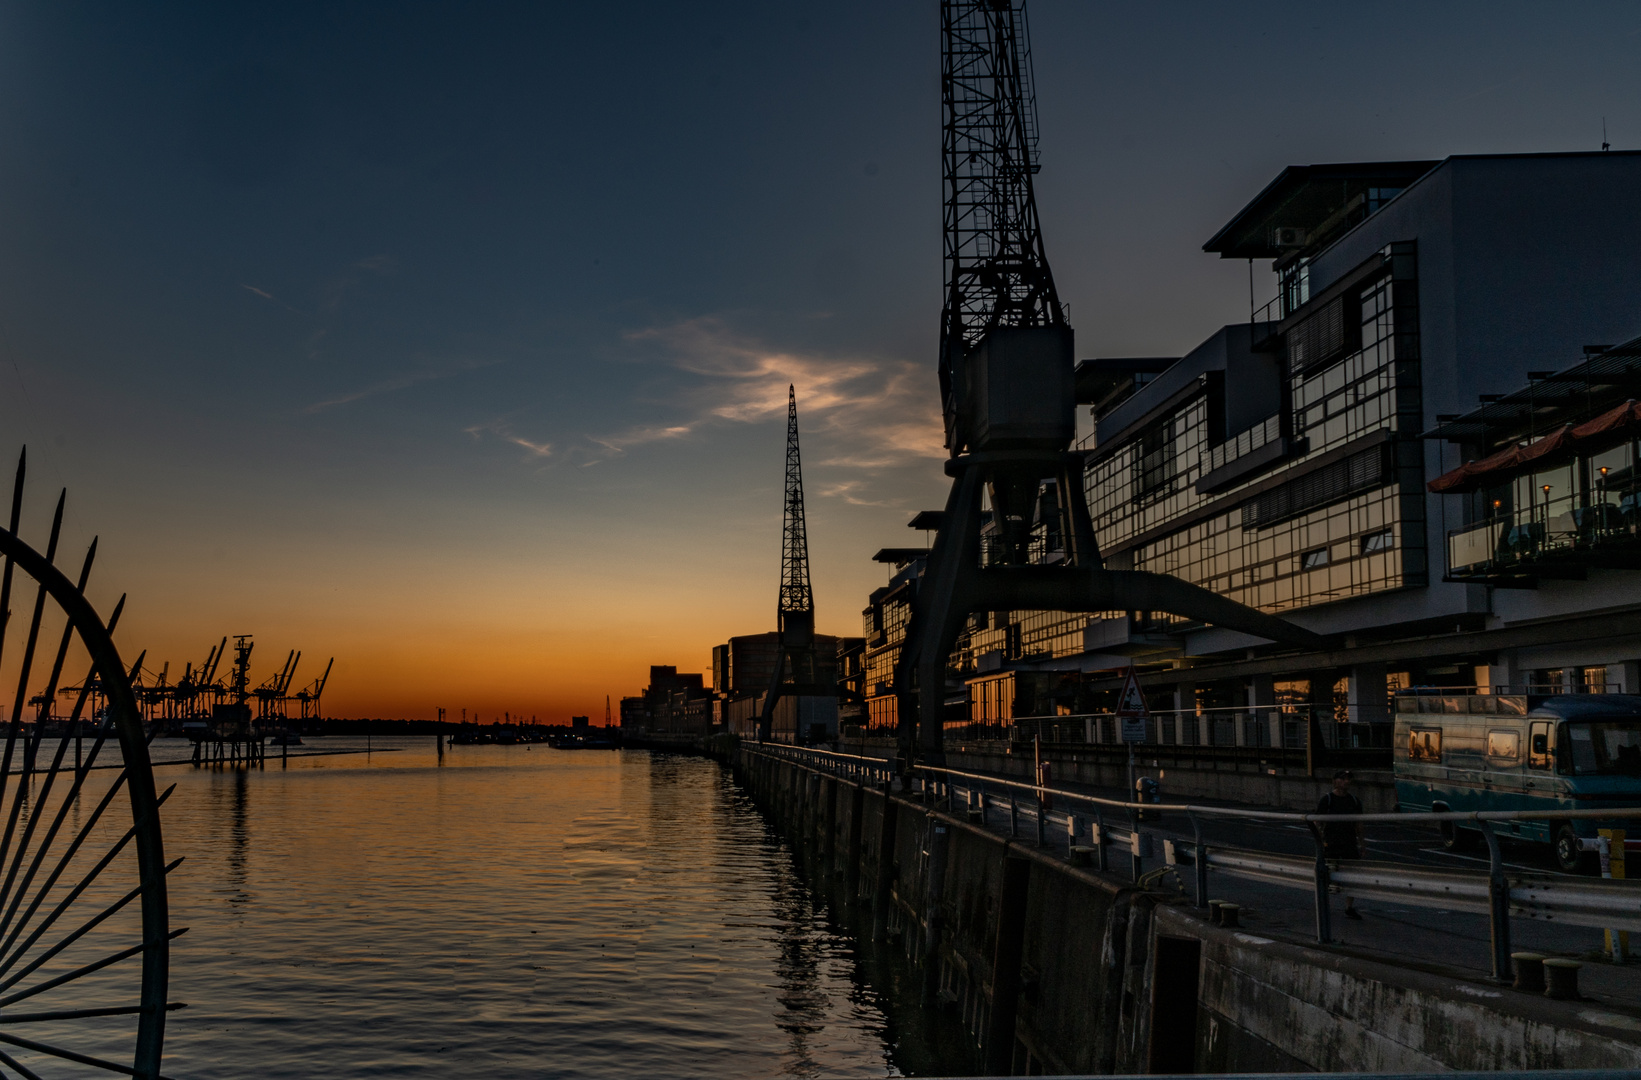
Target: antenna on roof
1605	145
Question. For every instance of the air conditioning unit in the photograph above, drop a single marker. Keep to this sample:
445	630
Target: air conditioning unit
1289	237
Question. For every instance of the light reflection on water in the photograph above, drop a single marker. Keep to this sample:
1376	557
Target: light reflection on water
517	912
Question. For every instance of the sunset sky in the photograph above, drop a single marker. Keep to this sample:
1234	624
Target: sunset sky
453	340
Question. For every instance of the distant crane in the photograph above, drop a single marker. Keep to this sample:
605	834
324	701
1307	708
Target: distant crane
1006	388
308	697
797	669
271	695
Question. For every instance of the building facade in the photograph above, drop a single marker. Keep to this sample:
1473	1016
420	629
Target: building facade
1428	314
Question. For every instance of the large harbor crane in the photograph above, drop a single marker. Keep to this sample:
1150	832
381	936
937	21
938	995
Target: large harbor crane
1006	386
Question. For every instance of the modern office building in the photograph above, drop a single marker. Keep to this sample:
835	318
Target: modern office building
1312	461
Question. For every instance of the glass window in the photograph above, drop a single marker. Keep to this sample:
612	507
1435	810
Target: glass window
1314	560
1595	680
1379	541
1538	745
1503	747
1425	744
1604	747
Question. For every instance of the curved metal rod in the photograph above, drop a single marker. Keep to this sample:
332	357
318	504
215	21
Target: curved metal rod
122	708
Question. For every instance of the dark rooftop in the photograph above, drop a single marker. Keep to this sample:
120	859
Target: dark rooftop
1095	379
930	520
1315	200
900	556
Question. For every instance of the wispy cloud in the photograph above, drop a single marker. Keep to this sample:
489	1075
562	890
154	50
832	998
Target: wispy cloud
401	381
503	430
259	292
859	415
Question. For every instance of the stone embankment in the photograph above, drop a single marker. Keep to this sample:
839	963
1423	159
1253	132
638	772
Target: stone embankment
1055	968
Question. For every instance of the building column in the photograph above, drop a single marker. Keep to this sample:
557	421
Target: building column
1187	730
1262	701
1629	677
1369	693
1502	676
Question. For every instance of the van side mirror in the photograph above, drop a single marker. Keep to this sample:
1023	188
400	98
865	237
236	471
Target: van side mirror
1541	744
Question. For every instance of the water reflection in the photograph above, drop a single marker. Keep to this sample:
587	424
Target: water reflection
514	913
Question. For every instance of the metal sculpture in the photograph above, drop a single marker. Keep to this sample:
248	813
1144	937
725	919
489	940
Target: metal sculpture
1007	394
797	671
84	925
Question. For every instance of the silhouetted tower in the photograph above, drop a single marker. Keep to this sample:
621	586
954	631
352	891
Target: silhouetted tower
796	672
797	602
1007	392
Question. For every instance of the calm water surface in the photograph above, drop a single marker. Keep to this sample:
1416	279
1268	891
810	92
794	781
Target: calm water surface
516	912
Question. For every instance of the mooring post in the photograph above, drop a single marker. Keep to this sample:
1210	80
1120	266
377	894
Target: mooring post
1498	905
1014	816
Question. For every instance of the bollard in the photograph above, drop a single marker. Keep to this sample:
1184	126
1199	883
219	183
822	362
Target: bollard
1042	816
1014	816
1097	840
1216	916
1617	943
1081	855
1561	979
1228	914
1529	971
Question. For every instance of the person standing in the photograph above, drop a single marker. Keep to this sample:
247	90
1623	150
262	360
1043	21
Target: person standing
1342	839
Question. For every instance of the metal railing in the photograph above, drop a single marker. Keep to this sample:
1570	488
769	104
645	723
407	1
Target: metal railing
1546	530
1272	727
1244	443
1602	904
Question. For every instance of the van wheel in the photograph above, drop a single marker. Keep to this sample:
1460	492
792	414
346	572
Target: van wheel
1456	839
1569	856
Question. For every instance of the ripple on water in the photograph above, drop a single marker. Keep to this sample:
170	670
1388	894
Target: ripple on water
513	913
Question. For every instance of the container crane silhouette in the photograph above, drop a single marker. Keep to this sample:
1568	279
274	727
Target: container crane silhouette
308	697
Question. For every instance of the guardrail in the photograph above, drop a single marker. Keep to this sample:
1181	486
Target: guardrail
1601	904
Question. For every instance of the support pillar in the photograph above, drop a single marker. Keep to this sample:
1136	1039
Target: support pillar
1369	694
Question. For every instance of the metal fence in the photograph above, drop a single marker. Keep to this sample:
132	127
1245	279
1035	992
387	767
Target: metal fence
1052	815
1261	727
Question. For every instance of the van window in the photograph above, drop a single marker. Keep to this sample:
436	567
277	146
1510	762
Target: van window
1539	750
1605	747
1425	744
1503	747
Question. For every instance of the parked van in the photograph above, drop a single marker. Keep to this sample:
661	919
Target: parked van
1514	752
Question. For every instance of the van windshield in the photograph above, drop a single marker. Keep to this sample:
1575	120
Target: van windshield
1606	747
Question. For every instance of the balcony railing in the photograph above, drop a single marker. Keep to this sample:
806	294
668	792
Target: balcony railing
1553	538
1246	443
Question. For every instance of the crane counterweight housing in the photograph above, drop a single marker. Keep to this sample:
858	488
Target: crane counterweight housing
1018	389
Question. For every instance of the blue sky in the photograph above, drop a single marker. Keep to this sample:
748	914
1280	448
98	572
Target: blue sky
454	339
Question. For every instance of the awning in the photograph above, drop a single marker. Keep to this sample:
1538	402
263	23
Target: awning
1473	475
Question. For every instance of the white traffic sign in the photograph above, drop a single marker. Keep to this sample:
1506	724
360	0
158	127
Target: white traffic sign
1132	712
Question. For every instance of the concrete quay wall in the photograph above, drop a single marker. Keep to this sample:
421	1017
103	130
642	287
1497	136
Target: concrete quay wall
1054	968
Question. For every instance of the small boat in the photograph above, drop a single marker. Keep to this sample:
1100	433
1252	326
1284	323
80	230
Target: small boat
286	738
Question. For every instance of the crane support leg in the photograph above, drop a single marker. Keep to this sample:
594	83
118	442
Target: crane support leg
955	585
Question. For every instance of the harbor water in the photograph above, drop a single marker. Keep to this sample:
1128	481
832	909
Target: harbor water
517	911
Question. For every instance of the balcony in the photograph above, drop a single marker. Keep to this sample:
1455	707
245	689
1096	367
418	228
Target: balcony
1559	538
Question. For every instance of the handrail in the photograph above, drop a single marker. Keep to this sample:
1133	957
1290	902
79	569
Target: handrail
1613	905
1282	815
